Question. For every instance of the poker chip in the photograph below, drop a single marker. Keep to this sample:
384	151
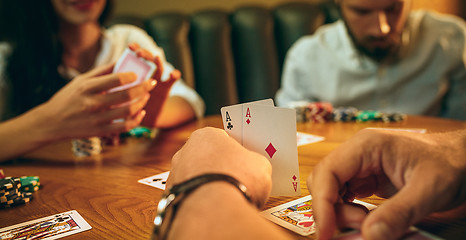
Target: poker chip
344	114
9	183
17	191
301	108
111	140
319	112
365	116
86	147
8	193
20	198
141	132
393	117
29	183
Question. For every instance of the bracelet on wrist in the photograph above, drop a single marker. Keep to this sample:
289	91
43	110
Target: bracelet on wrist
170	201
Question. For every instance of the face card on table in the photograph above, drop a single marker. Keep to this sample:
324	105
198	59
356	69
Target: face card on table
231	116
297	215
130	62
271	131
51	227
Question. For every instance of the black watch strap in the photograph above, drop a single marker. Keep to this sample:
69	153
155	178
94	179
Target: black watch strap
167	206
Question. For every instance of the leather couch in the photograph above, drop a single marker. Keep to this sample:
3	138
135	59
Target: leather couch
237	56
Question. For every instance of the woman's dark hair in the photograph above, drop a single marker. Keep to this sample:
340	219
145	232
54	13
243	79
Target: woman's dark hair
31	71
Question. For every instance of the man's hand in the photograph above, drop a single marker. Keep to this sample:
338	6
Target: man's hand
422	173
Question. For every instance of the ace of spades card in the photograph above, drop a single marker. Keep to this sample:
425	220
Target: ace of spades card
271	131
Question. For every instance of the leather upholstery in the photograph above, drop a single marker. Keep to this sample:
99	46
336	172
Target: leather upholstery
236	56
254	48
170	31
210	39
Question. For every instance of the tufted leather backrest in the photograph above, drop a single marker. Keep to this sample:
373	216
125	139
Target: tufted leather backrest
210	39
170	31
254	48
232	57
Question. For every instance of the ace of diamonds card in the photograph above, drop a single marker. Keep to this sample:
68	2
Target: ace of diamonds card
271	131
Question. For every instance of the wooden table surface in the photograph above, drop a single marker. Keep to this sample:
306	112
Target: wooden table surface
105	191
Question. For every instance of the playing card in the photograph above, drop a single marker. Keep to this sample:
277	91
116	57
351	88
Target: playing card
412	234
231	116
297	215
271	131
158	181
52	227
130	62
414	130
306	138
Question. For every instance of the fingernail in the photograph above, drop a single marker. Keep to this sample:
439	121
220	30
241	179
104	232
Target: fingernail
152	84
380	230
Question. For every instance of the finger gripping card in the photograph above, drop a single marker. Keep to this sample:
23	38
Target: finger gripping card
130	62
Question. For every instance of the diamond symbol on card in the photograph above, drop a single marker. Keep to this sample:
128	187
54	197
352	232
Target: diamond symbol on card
248	121
271	150
294	178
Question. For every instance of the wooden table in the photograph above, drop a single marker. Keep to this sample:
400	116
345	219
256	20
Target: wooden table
105	191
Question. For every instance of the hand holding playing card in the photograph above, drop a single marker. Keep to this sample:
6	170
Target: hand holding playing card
261	127
422	173
85	107
159	94
211	150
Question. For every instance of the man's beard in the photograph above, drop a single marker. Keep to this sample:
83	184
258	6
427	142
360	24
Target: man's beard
377	53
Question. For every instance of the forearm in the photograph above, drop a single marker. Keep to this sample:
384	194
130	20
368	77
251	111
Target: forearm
175	111
219	211
22	134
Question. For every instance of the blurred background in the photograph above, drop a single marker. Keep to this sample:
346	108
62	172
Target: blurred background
146	8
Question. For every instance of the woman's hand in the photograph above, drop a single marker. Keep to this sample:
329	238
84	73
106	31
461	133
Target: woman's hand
84	107
159	94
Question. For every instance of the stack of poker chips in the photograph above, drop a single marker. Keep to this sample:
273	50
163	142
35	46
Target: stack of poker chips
16	191
345	114
319	112
300	107
86	147
141	132
365	116
393	117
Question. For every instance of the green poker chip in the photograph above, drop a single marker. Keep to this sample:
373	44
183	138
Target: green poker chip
29	183
365	116
140	132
